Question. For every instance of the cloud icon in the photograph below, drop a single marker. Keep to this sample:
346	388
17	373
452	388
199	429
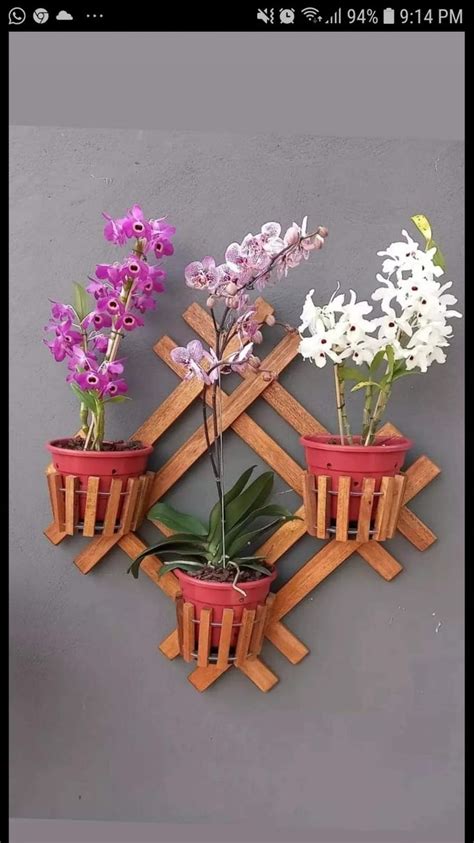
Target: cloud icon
63	16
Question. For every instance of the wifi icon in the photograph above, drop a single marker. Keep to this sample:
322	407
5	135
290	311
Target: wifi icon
311	13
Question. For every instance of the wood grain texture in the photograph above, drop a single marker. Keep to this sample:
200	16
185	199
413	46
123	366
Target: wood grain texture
323	508
342	513
258	630
188	631
71	506
384	506
286	642
365	510
399	483
380	559
201	678
225	638
245	635
92	498
170	645
204	640
260	674
113	503
309	500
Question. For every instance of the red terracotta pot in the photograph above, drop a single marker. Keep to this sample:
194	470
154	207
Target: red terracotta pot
219	596
326	456
104	464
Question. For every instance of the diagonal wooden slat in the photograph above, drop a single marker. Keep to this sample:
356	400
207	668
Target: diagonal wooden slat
276	395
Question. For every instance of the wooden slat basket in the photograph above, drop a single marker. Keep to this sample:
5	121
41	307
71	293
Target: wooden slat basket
251	632
125	511
378	513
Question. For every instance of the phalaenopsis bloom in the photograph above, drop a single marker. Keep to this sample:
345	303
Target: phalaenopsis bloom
87	334
247	266
410	333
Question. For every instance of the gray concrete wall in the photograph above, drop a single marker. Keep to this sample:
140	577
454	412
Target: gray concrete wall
362	740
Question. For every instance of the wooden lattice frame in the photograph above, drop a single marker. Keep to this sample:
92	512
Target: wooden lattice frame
234	416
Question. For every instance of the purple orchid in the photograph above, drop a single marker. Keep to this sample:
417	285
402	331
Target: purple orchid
90	340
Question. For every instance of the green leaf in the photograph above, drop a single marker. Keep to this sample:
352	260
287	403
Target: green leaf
252	498
376	361
179	521
404	374
86	398
117	399
270	509
390	359
182	564
351	374
81	301
215	529
368	383
255	567
424	226
245	539
238	487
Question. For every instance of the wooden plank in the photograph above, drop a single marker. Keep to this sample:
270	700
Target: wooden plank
245	634
53	534
113	503
71	507
282	539
418	475
55	483
410	526
179	621
310	575
269	450
365	511
91	506
384	506
256	640
380	559
242	397
204	641
286	642
260	674
203	677
130	501
276	395
224	641
143	486
170	645
399	483
309	500
342	513
323	510
169	410
188	631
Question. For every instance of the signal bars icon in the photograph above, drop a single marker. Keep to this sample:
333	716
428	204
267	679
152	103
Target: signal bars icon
335	18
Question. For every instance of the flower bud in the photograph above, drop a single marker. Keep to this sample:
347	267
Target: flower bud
211	301
318	242
267	376
292	236
231	288
322	230
254	361
270	320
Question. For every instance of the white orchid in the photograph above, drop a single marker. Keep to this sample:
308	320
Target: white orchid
411	334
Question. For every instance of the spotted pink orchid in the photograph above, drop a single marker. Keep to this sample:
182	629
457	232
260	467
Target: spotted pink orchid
121	292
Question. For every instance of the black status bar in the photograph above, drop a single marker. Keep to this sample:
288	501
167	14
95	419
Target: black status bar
232	17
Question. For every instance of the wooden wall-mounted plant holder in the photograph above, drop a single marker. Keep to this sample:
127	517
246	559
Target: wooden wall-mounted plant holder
197	645
323	560
125	509
378	511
